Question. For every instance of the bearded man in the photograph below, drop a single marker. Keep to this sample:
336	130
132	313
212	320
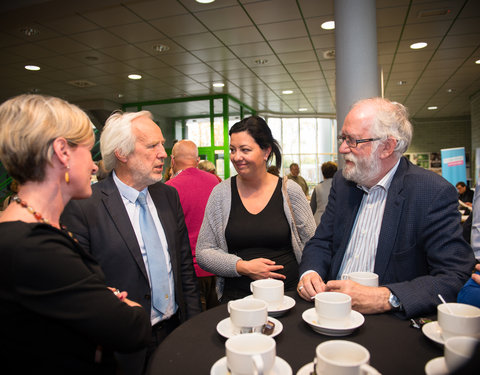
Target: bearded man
388	216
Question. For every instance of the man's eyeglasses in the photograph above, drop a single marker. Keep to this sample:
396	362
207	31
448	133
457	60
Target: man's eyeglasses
352	143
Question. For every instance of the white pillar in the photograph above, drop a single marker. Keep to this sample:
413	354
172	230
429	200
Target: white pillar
357	72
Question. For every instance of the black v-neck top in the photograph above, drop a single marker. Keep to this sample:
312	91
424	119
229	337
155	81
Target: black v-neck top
263	235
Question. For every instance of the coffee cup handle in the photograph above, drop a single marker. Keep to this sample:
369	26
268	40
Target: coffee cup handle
368	370
228	306
345	276
251	287
258	364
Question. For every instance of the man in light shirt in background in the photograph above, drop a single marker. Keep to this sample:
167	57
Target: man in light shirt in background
388	216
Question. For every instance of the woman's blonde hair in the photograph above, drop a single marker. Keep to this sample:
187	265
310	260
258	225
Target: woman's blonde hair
28	126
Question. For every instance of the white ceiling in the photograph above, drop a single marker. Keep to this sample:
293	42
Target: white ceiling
102	41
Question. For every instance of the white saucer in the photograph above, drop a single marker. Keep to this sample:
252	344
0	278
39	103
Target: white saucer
356	320
224	327
281	367
279	309
436	366
433	331
306	370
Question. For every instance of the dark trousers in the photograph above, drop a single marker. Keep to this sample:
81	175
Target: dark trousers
136	363
208	292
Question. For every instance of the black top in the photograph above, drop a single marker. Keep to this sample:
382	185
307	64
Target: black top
264	235
55	309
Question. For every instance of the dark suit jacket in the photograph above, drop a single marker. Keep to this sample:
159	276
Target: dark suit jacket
102	226
420	253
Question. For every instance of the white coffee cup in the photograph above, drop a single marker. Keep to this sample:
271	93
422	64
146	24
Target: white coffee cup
458	319
247	315
268	290
251	353
339	357
333	309
458	350
363	278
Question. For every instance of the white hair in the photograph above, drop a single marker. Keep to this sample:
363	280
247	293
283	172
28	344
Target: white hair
117	136
390	120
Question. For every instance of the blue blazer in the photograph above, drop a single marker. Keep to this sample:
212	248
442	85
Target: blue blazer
421	252
102	226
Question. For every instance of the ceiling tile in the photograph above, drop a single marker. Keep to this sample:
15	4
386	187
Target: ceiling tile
136	32
63	45
198	41
112	16
184	24
273	11
224	18
240	35
291	45
284	30
149	10
98	39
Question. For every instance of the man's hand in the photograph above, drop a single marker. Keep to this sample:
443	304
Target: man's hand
476	277
310	285
365	299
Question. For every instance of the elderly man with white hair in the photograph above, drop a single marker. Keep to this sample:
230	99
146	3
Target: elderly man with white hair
388	216
134	226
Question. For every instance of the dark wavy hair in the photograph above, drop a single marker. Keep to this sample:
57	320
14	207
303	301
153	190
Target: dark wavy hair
258	129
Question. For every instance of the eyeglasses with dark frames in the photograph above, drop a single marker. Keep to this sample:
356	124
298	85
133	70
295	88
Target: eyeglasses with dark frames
353	143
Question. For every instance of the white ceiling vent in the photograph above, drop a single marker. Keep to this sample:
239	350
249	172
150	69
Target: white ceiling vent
81	83
330	54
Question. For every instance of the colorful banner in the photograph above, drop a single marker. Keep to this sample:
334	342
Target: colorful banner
453	165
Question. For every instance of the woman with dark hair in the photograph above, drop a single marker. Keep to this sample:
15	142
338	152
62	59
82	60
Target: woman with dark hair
255	224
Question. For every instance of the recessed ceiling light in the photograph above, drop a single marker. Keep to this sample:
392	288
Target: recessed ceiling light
32	67
401	83
218	84
261	61
160	48
432	108
418	45
329	25
134	76
303	109
477	62
204	1
30	31
450	91
287	92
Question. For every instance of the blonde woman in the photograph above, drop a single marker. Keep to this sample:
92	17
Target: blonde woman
56	313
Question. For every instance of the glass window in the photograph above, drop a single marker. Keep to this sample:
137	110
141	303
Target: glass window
290	141
325	135
307	135
220	163
178	130
198	131
275	125
218	131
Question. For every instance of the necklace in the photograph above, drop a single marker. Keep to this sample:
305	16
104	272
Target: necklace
36	214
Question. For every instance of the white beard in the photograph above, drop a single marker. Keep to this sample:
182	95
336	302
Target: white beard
364	171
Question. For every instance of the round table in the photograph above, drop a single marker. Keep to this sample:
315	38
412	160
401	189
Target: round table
395	347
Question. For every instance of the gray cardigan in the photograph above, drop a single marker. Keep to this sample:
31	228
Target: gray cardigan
212	250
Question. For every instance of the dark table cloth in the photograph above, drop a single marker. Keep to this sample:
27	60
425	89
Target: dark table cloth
395	347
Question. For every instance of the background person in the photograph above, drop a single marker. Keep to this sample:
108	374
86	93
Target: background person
248	232
194	187
57	315
319	199
465	194
134	225
377	220
208	166
294	175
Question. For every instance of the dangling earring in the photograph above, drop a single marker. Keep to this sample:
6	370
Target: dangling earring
67	176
